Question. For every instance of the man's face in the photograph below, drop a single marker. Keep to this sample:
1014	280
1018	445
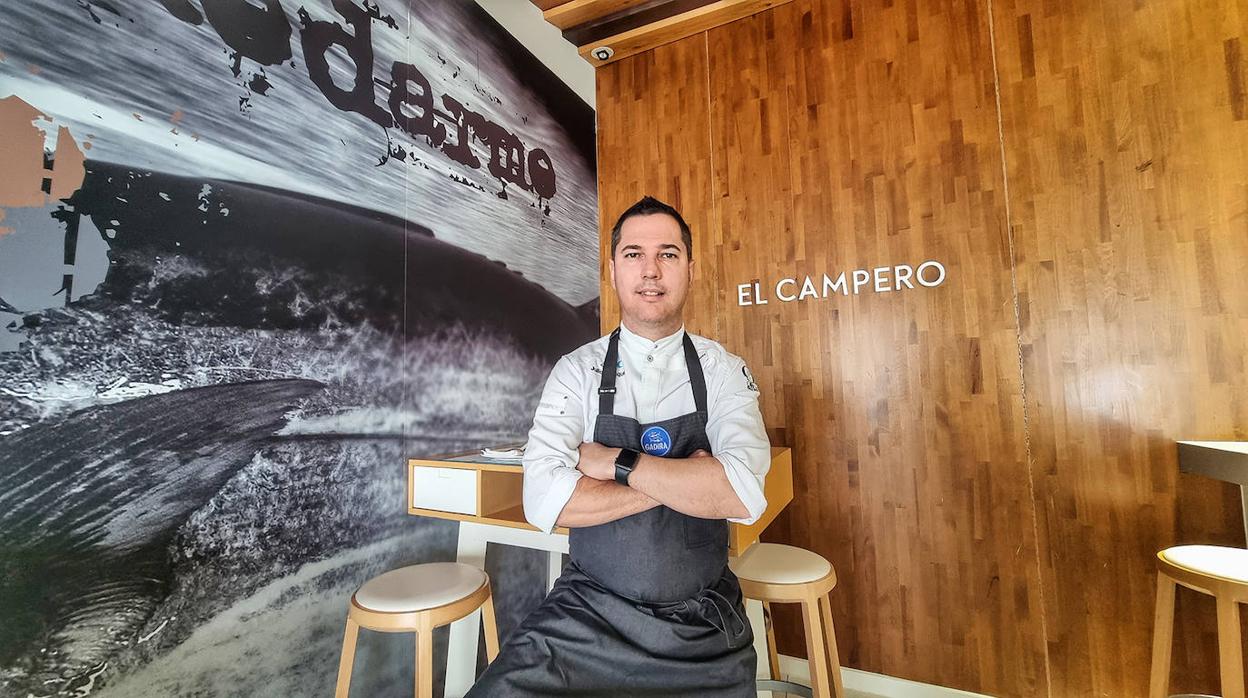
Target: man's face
651	271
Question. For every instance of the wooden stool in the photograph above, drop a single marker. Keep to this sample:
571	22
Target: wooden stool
417	599
1210	569
774	573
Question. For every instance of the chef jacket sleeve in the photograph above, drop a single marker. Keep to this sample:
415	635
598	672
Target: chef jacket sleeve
738	438
552	452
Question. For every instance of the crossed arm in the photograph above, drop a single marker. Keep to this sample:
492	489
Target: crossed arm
569	482
696	486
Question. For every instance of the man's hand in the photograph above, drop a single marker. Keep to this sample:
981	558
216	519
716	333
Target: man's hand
597	461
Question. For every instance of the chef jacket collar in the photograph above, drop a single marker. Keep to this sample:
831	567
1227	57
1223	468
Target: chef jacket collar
640	346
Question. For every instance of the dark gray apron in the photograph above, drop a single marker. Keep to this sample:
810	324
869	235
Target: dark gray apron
647	606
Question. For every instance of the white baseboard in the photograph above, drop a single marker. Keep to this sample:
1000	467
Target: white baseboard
798	671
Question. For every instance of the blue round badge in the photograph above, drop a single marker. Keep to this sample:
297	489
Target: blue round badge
656	441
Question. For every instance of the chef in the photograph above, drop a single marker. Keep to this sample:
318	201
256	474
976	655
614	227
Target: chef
646	444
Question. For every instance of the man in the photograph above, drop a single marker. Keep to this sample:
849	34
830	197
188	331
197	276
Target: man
646	443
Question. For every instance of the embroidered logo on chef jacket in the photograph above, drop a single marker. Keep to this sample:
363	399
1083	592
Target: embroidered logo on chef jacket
619	368
656	441
749	379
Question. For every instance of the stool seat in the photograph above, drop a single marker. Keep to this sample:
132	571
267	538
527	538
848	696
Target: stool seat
417	599
1215	570
419	587
1213	560
773	563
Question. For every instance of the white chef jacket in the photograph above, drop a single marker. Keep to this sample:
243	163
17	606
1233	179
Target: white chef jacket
652	385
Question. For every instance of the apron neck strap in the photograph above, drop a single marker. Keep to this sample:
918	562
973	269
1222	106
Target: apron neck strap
606	389
697	380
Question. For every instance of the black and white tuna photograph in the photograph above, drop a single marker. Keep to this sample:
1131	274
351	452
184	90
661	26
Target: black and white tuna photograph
254	255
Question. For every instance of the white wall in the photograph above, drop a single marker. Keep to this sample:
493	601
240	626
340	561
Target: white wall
523	20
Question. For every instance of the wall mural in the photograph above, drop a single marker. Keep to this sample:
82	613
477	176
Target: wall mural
254	253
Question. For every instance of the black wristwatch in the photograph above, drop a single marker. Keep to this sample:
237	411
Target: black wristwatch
624	464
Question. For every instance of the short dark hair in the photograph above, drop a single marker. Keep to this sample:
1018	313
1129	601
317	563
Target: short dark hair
649	206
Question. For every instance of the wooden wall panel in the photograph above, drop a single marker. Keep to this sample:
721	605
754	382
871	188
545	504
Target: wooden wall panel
656	141
992	486
849	151
1126	136
843	146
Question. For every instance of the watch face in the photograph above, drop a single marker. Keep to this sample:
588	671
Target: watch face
655	441
624	465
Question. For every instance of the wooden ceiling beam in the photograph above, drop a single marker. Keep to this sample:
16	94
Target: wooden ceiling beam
673	28
578	12
643	15
544	5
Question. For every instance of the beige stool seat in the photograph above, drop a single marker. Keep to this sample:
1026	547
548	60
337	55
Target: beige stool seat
774	573
419	587
417	599
1215	570
772	563
1230	564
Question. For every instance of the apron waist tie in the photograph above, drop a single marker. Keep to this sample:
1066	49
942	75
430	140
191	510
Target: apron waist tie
709	605
721	613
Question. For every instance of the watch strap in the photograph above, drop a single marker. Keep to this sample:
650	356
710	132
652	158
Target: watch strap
624	464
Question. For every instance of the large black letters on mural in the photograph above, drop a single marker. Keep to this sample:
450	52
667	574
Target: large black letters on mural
259	33
420	121
263	34
318	37
183	10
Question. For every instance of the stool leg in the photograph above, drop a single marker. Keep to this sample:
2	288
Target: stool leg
834	658
756	618
773	656
461	651
347	660
815	649
490	626
1230	649
1163	637
424	659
